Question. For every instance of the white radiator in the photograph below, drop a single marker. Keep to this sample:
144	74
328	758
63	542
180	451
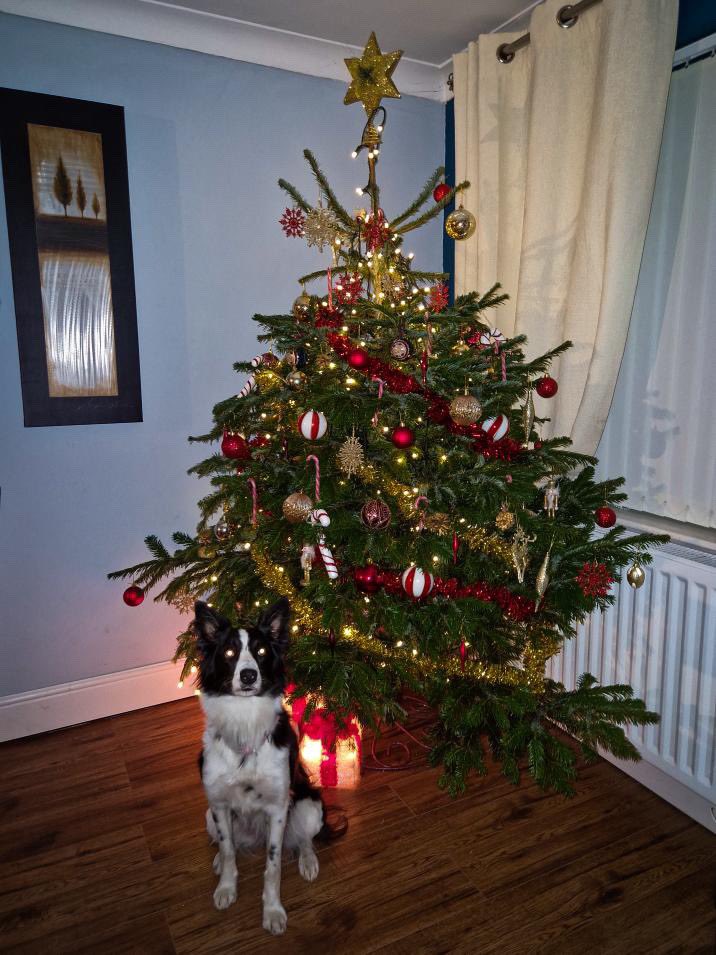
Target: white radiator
662	640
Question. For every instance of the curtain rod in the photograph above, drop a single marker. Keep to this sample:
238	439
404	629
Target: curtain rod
566	17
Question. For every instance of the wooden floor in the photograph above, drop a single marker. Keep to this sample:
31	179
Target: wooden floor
103	850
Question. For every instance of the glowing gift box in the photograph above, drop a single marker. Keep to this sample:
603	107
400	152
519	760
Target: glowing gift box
331	753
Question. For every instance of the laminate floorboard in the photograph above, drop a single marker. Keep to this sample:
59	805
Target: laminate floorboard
103	850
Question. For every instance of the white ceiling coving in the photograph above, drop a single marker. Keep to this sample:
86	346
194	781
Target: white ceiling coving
305	36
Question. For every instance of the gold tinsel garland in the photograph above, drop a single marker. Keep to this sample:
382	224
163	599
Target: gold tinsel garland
304	615
476	538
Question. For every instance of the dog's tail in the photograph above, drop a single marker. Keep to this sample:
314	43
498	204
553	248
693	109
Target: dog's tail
335	824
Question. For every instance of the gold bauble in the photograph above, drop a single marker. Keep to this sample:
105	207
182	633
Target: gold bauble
636	576
505	518
297	507
302	307
460	224
296	379
465	409
267	380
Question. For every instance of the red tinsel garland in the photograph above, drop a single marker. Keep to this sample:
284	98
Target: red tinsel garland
438	407
513	605
328	317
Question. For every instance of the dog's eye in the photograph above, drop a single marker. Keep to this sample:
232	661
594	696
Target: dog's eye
229	652
261	651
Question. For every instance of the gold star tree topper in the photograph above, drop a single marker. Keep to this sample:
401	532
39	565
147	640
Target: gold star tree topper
372	76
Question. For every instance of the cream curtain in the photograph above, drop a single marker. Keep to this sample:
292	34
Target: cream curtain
561	147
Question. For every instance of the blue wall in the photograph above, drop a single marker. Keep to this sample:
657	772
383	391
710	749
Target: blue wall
207	139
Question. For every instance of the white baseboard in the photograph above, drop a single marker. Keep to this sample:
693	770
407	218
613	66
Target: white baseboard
67	704
691	803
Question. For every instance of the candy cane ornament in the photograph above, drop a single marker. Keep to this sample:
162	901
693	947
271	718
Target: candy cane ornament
319	516
381	385
327	557
421	510
254	500
257	361
312	458
248	386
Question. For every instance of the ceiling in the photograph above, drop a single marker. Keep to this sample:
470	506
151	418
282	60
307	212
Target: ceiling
427	30
303	36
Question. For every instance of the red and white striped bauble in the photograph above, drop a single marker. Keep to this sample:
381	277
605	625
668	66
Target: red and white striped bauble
312	425
496	428
416	582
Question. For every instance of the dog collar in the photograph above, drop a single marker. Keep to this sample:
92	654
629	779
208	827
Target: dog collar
247	751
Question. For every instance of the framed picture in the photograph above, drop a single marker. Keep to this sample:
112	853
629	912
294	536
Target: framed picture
64	167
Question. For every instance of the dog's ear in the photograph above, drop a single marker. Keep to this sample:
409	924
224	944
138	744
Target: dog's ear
274	622
207	624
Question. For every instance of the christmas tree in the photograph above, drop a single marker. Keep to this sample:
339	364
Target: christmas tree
382	468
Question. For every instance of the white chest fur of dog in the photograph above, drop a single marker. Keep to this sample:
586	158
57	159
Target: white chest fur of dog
242	768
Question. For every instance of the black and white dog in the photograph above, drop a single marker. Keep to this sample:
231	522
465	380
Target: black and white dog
257	789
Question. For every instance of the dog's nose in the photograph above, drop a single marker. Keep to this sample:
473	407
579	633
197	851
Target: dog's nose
248	677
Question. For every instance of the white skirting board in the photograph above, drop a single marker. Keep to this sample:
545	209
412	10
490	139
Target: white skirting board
691	803
67	704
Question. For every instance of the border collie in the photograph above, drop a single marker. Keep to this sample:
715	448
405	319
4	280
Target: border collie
257	789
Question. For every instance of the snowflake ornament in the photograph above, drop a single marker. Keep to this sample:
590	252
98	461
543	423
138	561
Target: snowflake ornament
594	579
292	222
439	298
376	230
348	288
321	228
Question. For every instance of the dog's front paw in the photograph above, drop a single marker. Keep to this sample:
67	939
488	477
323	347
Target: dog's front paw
224	896
308	865
275	920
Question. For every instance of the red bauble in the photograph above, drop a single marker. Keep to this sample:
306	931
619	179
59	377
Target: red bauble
235	446
367	579
358	359
375	515
546	387
269	359
440	191
133	596
403	437
605	516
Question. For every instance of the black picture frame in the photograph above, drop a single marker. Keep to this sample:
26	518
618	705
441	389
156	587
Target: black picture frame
17	110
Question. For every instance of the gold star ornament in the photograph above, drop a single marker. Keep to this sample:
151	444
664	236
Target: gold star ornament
372	76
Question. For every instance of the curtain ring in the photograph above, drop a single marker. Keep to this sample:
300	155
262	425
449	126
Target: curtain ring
505	53
565	18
